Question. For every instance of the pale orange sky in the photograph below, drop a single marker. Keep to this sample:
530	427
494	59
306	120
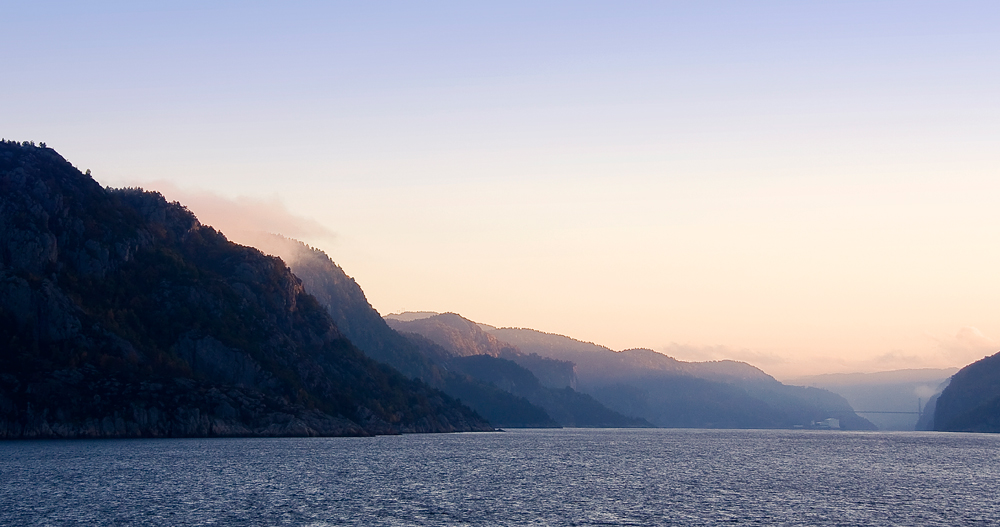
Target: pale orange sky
782	300
809	187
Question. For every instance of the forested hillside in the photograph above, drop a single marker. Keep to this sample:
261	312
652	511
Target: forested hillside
122	316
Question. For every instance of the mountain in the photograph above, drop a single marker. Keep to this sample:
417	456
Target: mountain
971	402
462	337
417	358
596	363
901	394
546	382
508	388
567	406
122	316
672	393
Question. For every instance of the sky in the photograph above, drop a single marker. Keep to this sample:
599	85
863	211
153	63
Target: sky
811	187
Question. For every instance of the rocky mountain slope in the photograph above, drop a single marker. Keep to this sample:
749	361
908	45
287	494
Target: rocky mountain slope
122	316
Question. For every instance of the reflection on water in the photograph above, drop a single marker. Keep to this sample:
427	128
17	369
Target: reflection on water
521	477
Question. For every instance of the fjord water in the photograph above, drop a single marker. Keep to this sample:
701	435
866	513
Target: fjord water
520	477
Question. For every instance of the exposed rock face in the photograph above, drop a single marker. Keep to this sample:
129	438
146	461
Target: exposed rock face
122	316
551	373
971	402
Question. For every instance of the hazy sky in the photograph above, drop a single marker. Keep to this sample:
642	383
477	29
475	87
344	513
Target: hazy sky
809	186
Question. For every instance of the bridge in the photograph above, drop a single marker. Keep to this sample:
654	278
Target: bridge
877	412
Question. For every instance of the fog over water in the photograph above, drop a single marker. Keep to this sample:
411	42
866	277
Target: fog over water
521	477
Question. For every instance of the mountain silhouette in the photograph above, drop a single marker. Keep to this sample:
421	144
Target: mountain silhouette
122	316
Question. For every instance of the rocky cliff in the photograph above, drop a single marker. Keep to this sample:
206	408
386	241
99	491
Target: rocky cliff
122	316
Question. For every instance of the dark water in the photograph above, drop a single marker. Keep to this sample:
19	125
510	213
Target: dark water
553	477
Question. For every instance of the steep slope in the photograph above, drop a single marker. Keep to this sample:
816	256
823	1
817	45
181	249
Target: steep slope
422	359
345	301
971	402
122	316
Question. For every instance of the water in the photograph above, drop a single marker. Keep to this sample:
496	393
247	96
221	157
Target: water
522	477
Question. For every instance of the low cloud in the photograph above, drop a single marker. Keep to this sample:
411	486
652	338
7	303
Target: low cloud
897	359
707	353
925	391
967	345
245	220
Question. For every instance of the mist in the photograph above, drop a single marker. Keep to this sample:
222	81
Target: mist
253	222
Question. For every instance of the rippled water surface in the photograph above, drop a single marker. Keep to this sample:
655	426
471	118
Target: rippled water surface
521	477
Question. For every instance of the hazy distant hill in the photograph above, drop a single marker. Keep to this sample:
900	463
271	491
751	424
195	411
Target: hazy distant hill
481	355
888	391
599	363
669	392
460	336
122	316
971	402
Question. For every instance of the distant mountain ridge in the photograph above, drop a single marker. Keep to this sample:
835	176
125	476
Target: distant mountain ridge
547	382
122	316
661	389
